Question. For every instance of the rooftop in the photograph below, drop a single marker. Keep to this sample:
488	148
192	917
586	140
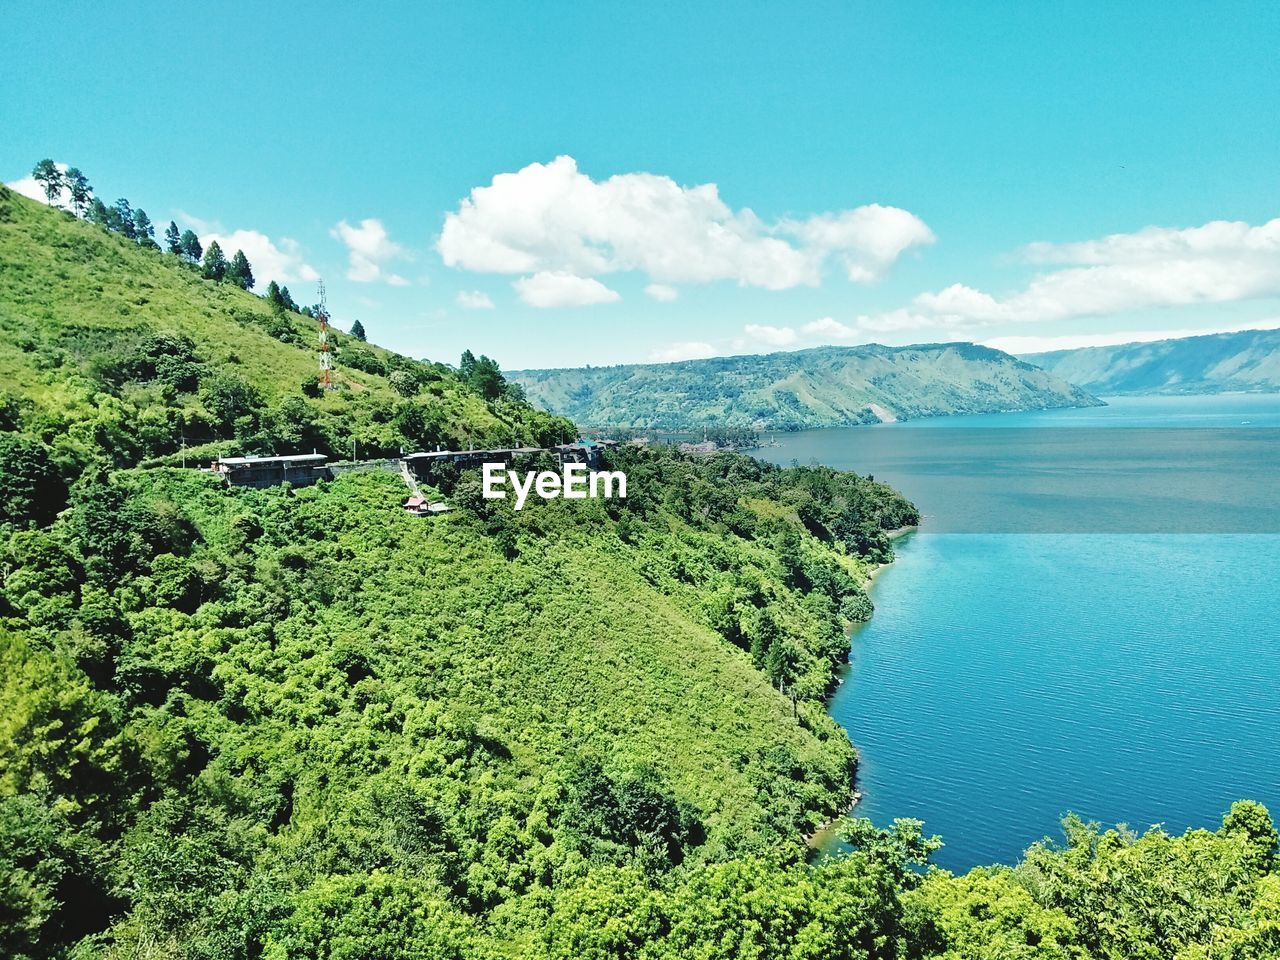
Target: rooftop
288	458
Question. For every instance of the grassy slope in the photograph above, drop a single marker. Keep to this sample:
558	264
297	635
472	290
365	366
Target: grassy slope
566	648
823	387
72	293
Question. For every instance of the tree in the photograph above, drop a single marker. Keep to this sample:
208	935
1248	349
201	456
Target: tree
123	219
273	295
289	303
228	398
30	489
404	383
467	365
143	230
239	272
191	248
99	214
215	264
357	331
172	239
47	174
486	378
1250	818
81	192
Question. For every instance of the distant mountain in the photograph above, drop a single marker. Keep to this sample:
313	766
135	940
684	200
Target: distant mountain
822	387
1247	361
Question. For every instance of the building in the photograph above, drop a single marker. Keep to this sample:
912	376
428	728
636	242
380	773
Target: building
420	507
297	469
703	448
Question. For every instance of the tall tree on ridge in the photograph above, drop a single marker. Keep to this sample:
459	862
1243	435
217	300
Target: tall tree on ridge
123	220
239	272
467	365
215	264
486	378
81	192
172	239
143	230
357	331
99	214
191	248
47	174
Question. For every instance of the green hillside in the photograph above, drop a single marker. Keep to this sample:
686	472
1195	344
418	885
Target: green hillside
822	387
1247	361
118	353
244	724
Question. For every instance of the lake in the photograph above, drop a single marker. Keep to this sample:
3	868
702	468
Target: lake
1075	644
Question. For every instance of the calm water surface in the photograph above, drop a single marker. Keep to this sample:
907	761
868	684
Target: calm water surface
1007	678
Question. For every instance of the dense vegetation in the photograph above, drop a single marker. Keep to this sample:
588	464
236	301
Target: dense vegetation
823	387
114	354
305	724
1246	361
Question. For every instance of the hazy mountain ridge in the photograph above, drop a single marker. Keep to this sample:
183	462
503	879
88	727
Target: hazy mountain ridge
820	387
1248	360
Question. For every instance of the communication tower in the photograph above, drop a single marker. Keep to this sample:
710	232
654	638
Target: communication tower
326	361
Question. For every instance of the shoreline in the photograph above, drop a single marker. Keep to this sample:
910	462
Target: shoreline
894	535
814	840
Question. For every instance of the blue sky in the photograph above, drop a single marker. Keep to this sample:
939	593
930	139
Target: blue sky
1022	174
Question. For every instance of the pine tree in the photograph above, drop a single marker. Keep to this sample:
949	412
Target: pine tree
191	248
357	331
273	295
99	214
172	239
47	174
81	192
289	303
215	264
467	365
122	222
239	272
143	230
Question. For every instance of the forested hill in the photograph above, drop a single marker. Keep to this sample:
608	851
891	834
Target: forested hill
117	352
302	724
1247	361
822	387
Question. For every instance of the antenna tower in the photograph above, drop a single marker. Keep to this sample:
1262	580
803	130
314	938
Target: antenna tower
326	361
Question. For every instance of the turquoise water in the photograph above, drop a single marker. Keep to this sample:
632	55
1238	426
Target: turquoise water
1007	678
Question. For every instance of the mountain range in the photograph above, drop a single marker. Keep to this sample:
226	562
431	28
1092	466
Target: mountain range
821	387
1247	361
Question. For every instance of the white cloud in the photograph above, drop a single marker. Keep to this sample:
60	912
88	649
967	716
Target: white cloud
1220	262
661	292
1155	267
553	288
369	248
827	327
279	260
474	300
552	218
683	350
866	240
771	336
1162	244
28	186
